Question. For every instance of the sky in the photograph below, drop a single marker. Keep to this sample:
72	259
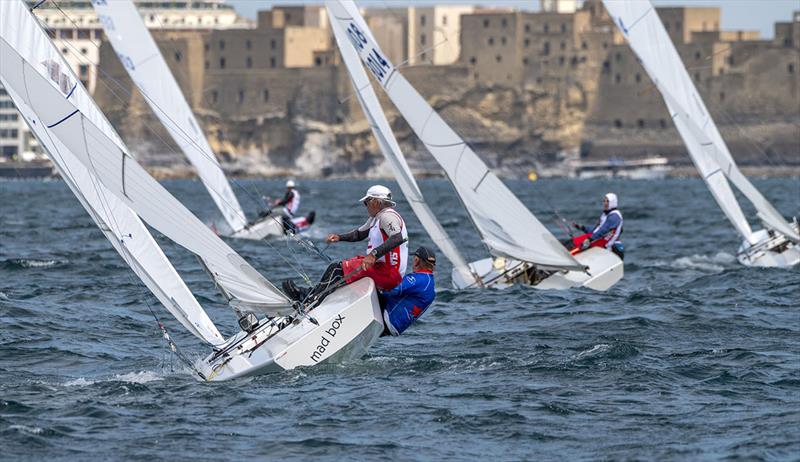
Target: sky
758	15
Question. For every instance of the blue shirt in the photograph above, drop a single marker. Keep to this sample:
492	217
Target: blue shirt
406	302
611	222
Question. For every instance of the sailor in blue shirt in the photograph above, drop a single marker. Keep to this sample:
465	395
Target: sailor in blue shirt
408	301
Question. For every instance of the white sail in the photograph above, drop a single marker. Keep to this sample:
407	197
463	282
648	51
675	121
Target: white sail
109	162
129	236
146	66
391	151
506	226
639	22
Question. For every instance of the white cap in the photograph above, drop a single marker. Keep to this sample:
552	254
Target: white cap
378	192
612	200
290	184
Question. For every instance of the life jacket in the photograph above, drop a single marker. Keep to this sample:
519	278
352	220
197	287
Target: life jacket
613	234
293	205
398	256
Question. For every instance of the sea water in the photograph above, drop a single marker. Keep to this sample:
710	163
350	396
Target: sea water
690	356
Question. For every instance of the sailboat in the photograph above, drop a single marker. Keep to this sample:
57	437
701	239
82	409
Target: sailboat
146	66
522	250
119	195
777	244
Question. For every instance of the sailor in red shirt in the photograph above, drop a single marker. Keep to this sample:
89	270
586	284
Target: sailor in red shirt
386	255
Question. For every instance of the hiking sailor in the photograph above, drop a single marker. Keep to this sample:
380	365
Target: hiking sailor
290	203
386	255
606	233
405	303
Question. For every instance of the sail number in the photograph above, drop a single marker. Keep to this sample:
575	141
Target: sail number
126	61
107	22
376	63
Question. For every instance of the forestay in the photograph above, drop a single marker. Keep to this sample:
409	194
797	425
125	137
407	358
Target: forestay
391	151
123	176
142	59
19	31
646	35
506	226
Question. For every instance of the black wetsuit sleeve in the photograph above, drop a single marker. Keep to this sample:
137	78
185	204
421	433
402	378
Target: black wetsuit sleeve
354	235
389	244
286	198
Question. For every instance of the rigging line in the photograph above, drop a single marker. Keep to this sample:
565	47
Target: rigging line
129	93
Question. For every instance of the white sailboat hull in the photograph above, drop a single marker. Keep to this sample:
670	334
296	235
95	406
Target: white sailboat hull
769	252
264	228
349	320
605	270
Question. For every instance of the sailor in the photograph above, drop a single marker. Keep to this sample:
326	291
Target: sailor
290	203
386	255
405	303
607	231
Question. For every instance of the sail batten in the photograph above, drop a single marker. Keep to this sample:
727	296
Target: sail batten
506	226
150	73
649	40
391	150
22	40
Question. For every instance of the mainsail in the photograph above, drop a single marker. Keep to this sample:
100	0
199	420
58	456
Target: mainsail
129	236
647	37
94	144
391	151
146	66
506	226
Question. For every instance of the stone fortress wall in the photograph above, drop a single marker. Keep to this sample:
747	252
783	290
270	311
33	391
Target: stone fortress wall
524	88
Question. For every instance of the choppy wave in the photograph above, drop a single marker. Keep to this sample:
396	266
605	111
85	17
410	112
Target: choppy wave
27	263
131	377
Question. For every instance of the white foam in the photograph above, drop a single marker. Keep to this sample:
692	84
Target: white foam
131	377
27	429
595	350
716	263
37	263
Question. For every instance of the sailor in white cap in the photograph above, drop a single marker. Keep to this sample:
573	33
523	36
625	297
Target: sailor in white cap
607	231
387	248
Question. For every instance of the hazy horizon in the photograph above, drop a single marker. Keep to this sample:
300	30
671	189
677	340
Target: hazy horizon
758	15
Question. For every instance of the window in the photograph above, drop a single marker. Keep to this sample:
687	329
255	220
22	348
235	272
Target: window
472	60
423	57
638	77
207	47
178	56
605	45
618	123
504	22
208	64
422	20
272	61
546	48
248	44
503	40
222	44
222	63
697	56
662	123
214	96
318	61
697	76
563	46
560	60
83	70
666	26
84	34
491	41
618	57
422	39
584	45
498	58
65	33
8	117
722	96
606	67
525	61
272	44
84	51
730	60
249	62
563	28
241	96
790	68
640	123
444	20
677	25
527	42
265	95
617	78
527	27
485	23
546	28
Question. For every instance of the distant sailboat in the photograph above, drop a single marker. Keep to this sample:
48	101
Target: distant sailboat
775	245
146	66
114	189
524	250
